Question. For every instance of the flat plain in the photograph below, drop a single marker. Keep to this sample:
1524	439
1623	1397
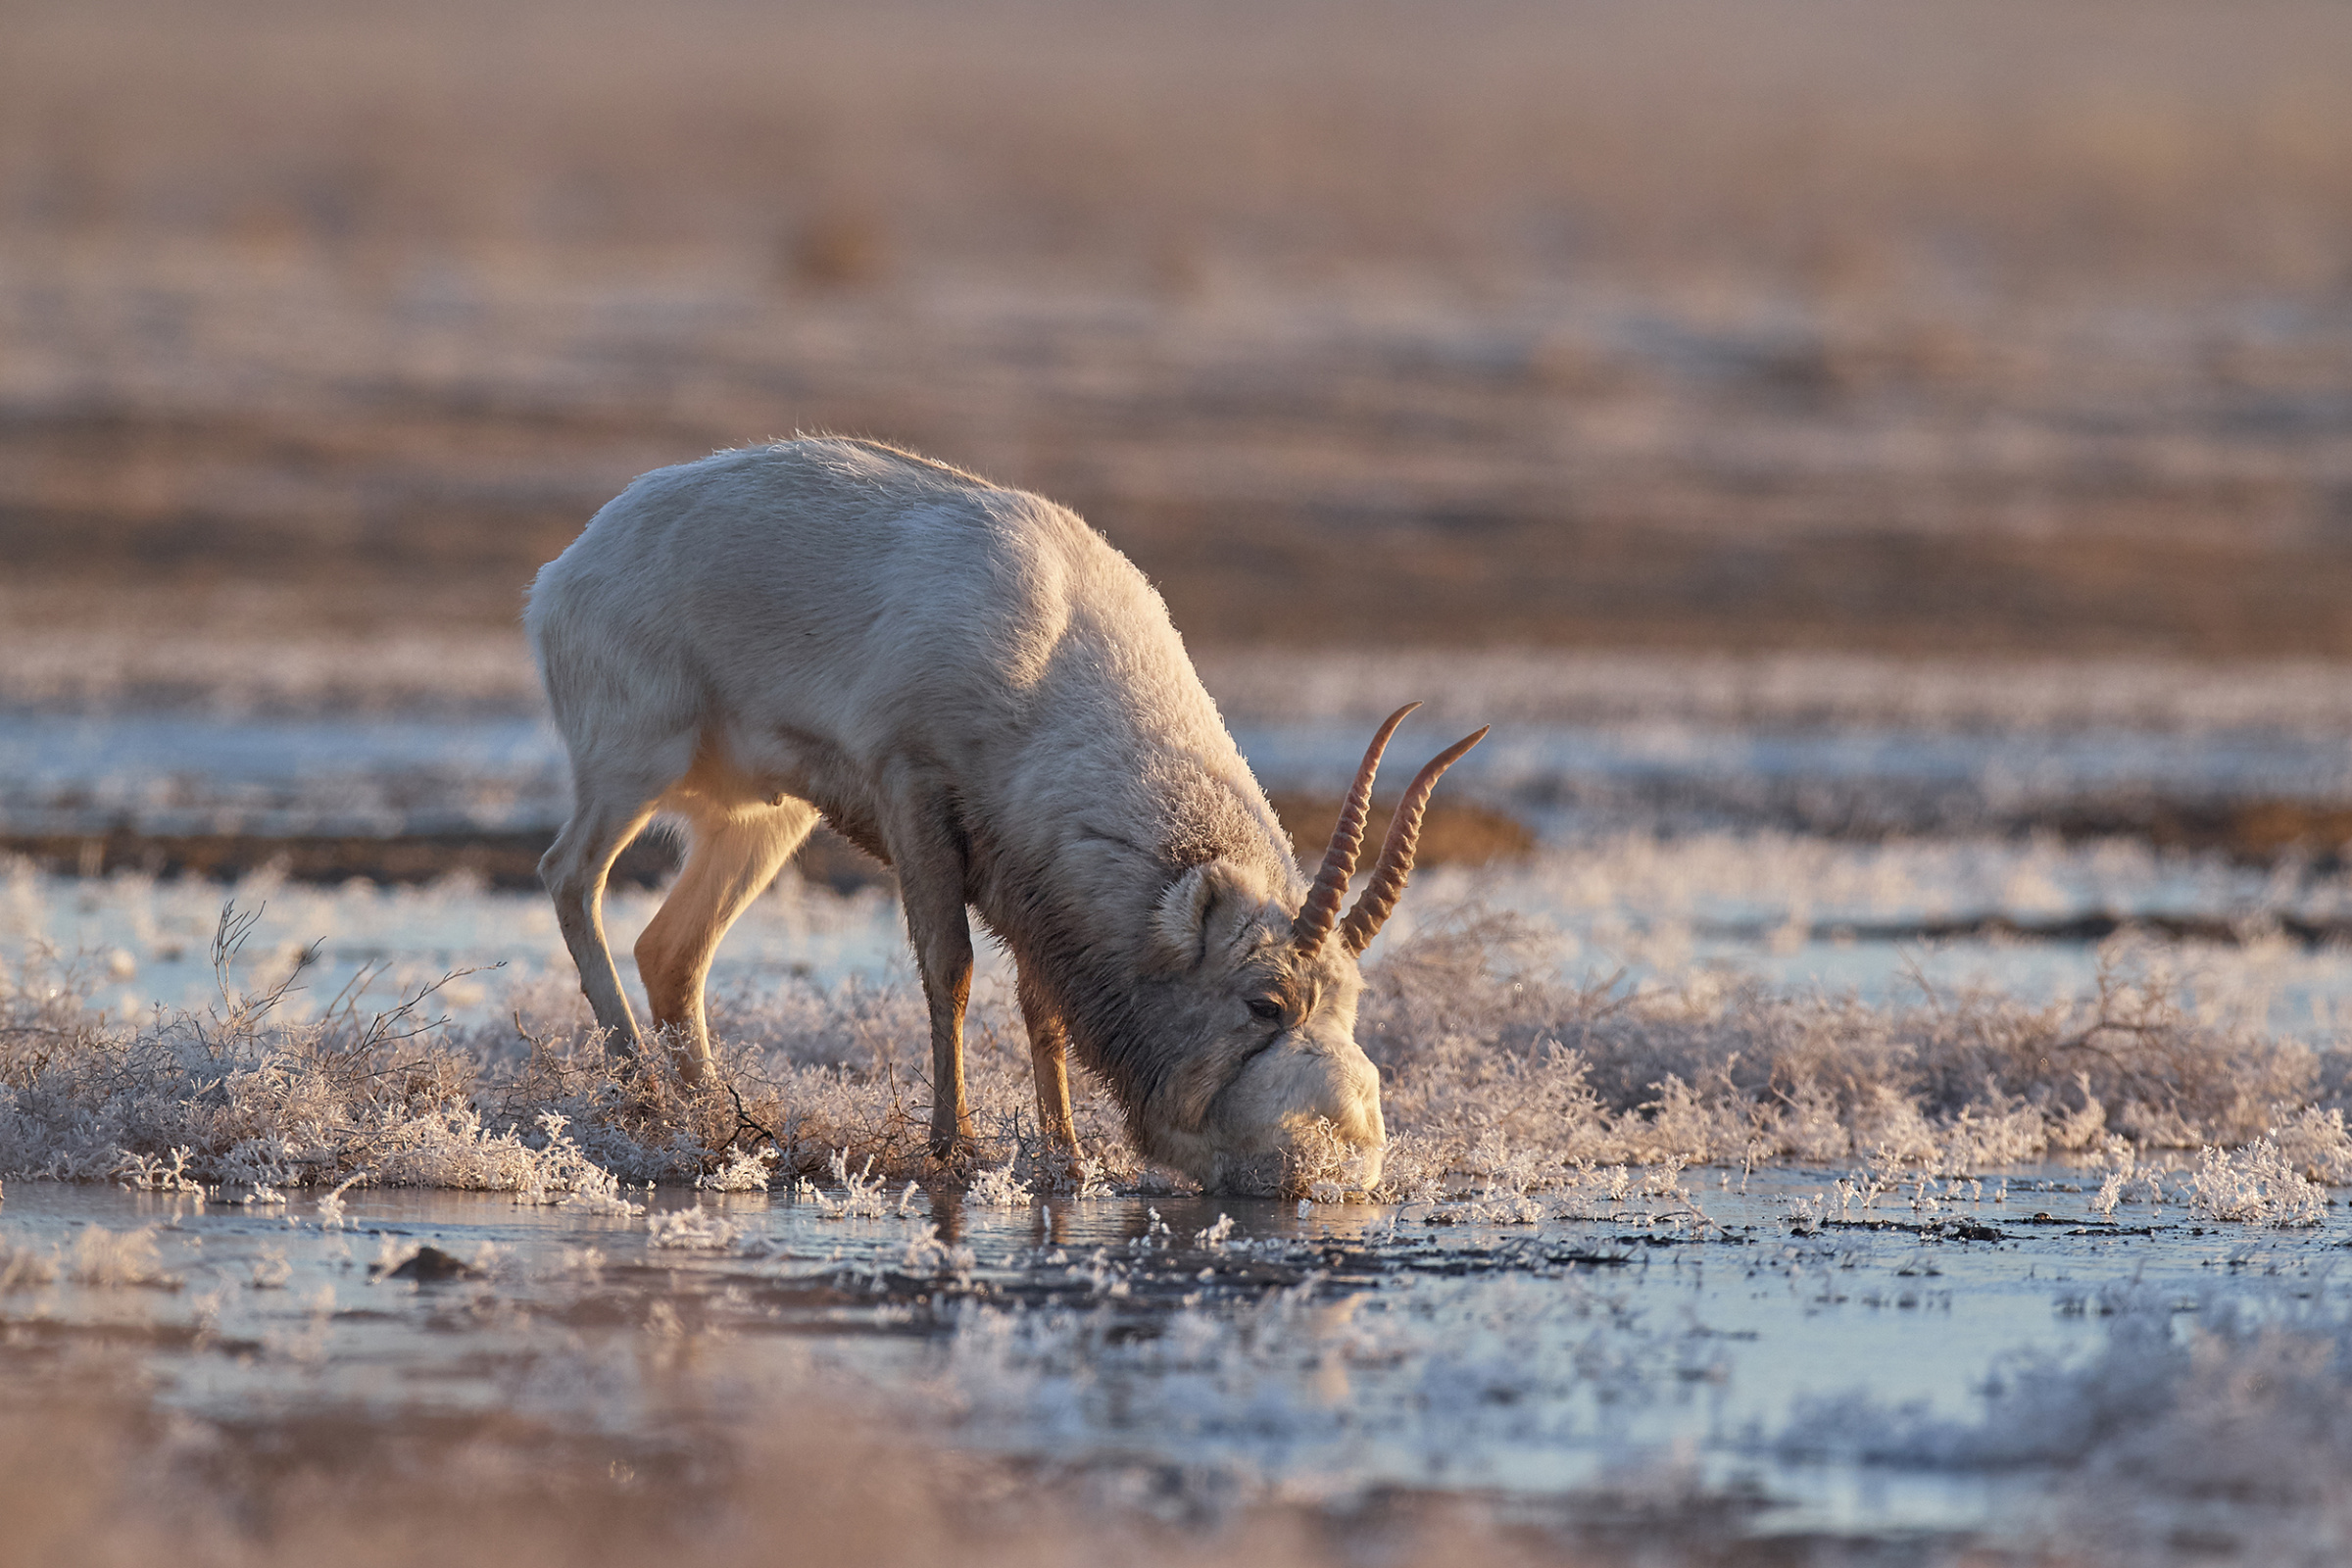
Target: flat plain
1795	325
1865	1061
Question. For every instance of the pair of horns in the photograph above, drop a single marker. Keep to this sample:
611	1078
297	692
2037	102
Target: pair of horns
1321	910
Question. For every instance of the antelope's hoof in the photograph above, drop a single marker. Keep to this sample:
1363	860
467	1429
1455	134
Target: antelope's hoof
957	1155
1058	1169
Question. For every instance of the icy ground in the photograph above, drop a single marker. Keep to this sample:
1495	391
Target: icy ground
1799	912
1722	1216
1706	1260
181	773
1671	844
2019	1363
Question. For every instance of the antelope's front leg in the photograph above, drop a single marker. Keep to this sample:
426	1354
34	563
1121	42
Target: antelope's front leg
945	957
1049	1055
928	851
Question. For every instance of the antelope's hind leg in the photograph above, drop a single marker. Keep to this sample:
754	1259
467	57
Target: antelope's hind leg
731	858
605	816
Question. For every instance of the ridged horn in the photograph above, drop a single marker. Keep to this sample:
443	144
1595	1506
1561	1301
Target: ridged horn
1395	862
1321	910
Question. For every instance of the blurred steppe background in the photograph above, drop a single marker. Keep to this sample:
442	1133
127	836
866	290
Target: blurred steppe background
1736	325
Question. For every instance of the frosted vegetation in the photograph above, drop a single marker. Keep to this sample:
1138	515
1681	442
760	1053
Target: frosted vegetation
1509	1074
1646	989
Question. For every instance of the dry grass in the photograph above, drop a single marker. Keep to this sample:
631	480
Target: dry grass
1493	1071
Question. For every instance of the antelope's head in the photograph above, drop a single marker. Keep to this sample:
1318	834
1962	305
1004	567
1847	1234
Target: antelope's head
1270	1090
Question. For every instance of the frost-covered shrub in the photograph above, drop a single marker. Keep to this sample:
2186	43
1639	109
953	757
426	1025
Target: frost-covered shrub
236	1096
2256	1184
744	1172
862	1194
693	1229
2317	1144
999	1188
1483	1047
24	1267
103	1256
1499	1077
927	1253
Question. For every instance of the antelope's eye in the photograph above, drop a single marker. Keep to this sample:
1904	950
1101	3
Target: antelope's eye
1263	1009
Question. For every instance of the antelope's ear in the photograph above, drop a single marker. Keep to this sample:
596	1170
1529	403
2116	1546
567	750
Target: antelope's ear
1195	911
1180	925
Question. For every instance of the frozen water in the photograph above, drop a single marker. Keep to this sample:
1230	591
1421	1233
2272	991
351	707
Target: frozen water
185	773
388	773
1663	851
1842	1368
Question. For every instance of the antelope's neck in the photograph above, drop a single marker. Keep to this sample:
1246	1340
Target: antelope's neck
1073	896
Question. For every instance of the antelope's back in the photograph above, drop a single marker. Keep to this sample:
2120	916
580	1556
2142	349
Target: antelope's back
855	594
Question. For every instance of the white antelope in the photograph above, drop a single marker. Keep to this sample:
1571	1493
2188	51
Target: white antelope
971	684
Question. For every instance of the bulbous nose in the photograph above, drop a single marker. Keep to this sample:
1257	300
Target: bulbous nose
1359	1119
1300	1116
1355	1113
